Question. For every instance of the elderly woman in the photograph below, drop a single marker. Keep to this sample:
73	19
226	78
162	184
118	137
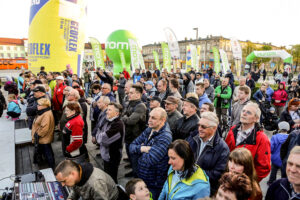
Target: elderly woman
43	127
292	114
72	141
186	180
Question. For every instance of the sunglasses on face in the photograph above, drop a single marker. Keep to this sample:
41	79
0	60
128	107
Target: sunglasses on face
75	87
203	126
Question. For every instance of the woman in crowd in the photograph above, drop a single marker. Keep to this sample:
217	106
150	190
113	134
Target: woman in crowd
13	107
292	114
241	161
234	187
72	141
280	97
185	179
42	128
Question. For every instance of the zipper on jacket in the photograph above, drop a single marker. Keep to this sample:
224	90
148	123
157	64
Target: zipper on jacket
174	192
286	191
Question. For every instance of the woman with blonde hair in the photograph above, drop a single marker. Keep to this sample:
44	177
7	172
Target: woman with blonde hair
241	161
42	130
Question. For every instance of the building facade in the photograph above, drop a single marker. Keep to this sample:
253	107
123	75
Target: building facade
11	48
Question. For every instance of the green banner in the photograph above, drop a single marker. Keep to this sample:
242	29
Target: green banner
134	49
122	57
216	59
156	59
166	56
98	53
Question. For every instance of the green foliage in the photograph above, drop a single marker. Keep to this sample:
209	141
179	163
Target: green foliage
296	53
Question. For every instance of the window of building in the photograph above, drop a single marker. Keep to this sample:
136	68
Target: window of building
15	48
8	55
1	47
8	48
22	48
23	55
1	55
16	55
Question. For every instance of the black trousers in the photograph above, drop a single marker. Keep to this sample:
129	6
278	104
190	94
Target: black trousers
13	114
112	167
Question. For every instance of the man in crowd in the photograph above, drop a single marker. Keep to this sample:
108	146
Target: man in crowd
87	81
171	104
242	82
210	151
134	118
249	135
128	85
207	107
242	100
154	102
250	82
162	91
200	91
288	188
209	90
188	123
39	92
86	181
106	91
222	101
58	97
121	85
150	151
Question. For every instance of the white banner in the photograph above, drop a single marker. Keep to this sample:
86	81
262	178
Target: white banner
236	48
193	56
225	64
172	43
272	53
134	52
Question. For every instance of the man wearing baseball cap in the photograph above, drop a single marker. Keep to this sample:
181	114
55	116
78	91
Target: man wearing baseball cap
188	123
150	89
171	105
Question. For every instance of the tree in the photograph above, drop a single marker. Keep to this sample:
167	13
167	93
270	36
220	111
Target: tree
296	54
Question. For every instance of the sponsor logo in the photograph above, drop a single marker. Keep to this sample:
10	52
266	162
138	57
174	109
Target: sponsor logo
117	45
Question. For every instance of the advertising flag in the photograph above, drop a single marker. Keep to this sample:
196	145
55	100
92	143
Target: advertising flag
224	59
173	43
216	60
122	57
56	35
166	56
236	48
193	56
156	59
98	53
134	52
141	59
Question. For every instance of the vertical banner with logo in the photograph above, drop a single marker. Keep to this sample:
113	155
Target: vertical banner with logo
56	35
141	59
198	56
237	55
193	56
98	53
188	61
134	49
156	59
216	60
224	59
172	43
122	57
166	56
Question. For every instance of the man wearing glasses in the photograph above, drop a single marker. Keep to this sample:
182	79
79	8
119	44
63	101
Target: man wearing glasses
106	91
250	135
210	151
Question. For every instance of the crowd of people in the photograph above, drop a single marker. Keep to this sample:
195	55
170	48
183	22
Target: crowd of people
192	135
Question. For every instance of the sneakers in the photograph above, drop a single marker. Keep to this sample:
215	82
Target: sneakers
7	117
14	119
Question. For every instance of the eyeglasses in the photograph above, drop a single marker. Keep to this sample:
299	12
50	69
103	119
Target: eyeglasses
203	126
75	87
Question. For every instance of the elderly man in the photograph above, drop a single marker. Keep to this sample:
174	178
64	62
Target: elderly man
209	90
250	135
125	102
222	101
242	82
200	91
86	181
162	91
171	104
102	104
150	151
210	151
243	99
188	123
134	118
106	91
288	188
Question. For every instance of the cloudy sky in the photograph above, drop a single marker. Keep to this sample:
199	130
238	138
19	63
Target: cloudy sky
275	21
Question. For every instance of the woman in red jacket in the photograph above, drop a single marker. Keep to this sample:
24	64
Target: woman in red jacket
72	142
279	98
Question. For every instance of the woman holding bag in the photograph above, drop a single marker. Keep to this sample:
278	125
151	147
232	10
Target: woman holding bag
42	130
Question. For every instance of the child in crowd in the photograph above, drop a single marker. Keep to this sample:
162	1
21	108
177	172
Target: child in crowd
13	108
136	189
276	142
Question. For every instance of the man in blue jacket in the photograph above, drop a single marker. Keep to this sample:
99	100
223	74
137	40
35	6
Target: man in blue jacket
210	150
200	91
150	151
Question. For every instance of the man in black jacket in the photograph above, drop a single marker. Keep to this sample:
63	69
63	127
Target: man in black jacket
250	82
105	77
188	123
210	151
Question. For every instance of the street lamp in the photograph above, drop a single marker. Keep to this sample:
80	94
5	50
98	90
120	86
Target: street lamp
196	29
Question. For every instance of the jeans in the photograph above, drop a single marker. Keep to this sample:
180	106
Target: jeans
133	158
86	89
273	173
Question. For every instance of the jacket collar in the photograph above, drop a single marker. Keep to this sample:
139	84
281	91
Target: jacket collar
86	171
251	139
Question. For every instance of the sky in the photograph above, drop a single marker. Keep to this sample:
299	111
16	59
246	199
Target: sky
271	21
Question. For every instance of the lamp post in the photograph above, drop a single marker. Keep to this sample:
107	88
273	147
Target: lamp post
196	29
